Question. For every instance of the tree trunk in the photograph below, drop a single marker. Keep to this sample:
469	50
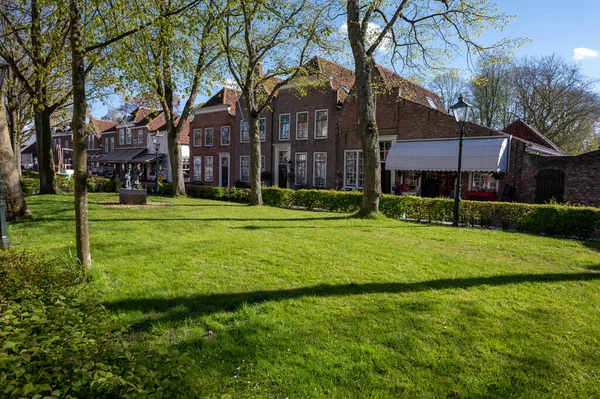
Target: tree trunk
176	159
79	137
366	113
15	202
15	138
43	134
255	188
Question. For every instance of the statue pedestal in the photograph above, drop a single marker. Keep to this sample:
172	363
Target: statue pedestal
132	197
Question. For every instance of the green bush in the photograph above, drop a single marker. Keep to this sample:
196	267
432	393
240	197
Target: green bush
64	183
30	186
280	197
219	193
56	342
28	174
568	221
112	186
98	184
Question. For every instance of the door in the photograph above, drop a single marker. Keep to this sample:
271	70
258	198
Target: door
224	171
550	185
282	171
283	175
386	175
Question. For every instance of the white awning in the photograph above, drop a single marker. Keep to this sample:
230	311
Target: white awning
479	155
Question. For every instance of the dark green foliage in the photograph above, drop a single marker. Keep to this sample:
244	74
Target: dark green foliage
30	186
55	342
219	193
112	186
99	184
28	174
65	183
561	220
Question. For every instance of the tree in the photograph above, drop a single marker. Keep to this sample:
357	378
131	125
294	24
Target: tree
278	35
85	50
15	202
170	58
130	104
448	85
34	44
558	100
19	114
492	94
420	34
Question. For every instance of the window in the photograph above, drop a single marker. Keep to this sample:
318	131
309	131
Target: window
197	168
354	174
301	125
140	136
129	136
186	167
106	145
300	169
320	169
483	182
262	163
208	168
245	168
208	137
121	136
262	128
197	137
225	135
112	144
284	127
384	148
431	103
245	132
321	124
411	179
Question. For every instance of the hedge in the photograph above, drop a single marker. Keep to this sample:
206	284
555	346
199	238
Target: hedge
567	221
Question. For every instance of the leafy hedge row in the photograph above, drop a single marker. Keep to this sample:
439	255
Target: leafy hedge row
56	342
31	186
568	221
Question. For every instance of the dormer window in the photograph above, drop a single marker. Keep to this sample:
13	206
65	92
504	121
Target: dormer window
431	103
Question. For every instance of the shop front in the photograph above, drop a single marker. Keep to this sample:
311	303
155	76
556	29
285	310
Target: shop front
427	168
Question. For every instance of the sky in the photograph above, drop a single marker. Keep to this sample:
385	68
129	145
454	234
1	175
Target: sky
570	28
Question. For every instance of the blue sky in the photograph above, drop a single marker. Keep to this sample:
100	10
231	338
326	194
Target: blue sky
555	26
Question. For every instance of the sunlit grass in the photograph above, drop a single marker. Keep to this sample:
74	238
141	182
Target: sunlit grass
294	304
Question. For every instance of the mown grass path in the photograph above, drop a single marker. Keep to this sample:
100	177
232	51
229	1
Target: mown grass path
298	304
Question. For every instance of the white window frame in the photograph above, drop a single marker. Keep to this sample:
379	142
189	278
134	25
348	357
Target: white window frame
289	127
129	136
197	168
241	175
140	138
221	136
106	145
307	124
327	125
112	144
242	131
121	136
315	169
194	132
262	140
206	164
357	177
206	130
296	169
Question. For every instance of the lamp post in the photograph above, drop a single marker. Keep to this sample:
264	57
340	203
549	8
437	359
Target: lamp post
4	242
461	113
156	141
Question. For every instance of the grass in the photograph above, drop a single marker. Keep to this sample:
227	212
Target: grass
297	304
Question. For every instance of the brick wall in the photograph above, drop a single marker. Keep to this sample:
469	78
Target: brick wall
216	121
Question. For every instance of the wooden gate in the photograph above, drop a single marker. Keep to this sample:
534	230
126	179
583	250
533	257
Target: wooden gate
550	185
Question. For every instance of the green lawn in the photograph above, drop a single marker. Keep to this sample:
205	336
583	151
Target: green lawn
298	304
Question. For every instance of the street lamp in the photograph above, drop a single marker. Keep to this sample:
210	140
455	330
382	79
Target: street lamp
461	113
4	242
156	141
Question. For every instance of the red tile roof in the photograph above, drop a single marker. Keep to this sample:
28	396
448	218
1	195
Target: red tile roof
225	96
101	126
520	128
409	90
340	78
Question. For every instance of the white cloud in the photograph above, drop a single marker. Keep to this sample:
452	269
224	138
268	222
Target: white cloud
581	53
372	33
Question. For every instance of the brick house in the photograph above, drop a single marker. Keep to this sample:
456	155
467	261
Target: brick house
212	141
129	143
95	145
62	149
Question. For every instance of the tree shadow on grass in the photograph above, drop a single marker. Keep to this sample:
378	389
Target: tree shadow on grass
180	308
112	220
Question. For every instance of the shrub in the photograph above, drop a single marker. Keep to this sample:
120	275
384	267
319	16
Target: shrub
30	186
97	184
55	342
567	221
280	197
112	186
28	174
65	183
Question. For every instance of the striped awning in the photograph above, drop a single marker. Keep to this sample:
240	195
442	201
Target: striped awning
481	154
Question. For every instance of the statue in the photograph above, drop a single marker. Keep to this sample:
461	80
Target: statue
136	178
127	180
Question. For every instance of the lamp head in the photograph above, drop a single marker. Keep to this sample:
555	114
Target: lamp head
461	110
